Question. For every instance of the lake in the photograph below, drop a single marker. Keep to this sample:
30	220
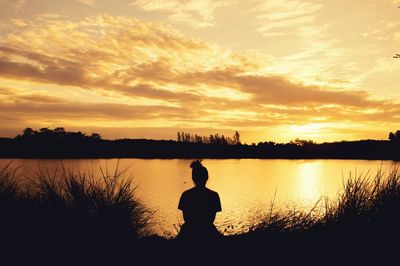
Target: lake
247	187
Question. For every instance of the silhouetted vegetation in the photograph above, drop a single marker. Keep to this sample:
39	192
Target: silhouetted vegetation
69	215
395	137
79	217
363	203
212	139
58	143
57	134
360	226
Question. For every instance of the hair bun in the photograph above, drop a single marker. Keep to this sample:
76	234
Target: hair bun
196	164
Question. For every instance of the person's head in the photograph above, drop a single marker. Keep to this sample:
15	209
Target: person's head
199	173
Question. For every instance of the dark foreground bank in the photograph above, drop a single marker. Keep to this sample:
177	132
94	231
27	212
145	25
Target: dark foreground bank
65	217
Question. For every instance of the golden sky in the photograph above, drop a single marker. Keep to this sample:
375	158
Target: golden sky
271	69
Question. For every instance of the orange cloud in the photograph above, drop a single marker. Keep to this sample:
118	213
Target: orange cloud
120	59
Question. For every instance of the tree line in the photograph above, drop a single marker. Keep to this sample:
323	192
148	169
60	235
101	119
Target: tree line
58	133
212	139
59	143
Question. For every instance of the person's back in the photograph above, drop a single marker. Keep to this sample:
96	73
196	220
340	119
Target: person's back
199	206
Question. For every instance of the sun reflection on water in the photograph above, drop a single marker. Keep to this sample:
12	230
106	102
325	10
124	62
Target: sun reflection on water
308	182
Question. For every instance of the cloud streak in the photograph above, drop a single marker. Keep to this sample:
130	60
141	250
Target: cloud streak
198	14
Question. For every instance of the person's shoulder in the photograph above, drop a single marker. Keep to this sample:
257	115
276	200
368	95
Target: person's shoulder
189	191
212	192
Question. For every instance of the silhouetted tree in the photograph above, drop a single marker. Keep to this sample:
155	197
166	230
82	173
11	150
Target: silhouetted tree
59	130
198	139
302	142
95	136
28	132
45	130
236	137
211	139
394	137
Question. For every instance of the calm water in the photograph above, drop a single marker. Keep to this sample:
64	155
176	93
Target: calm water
246	187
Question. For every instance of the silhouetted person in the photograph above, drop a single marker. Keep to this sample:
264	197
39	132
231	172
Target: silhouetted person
199	206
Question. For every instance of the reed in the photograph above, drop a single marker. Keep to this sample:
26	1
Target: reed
72	214
361	224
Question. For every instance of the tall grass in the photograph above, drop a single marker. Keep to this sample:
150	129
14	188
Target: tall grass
360	226
68	213
362	201
366	202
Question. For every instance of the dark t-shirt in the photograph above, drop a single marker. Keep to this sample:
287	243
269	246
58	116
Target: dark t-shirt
199	205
